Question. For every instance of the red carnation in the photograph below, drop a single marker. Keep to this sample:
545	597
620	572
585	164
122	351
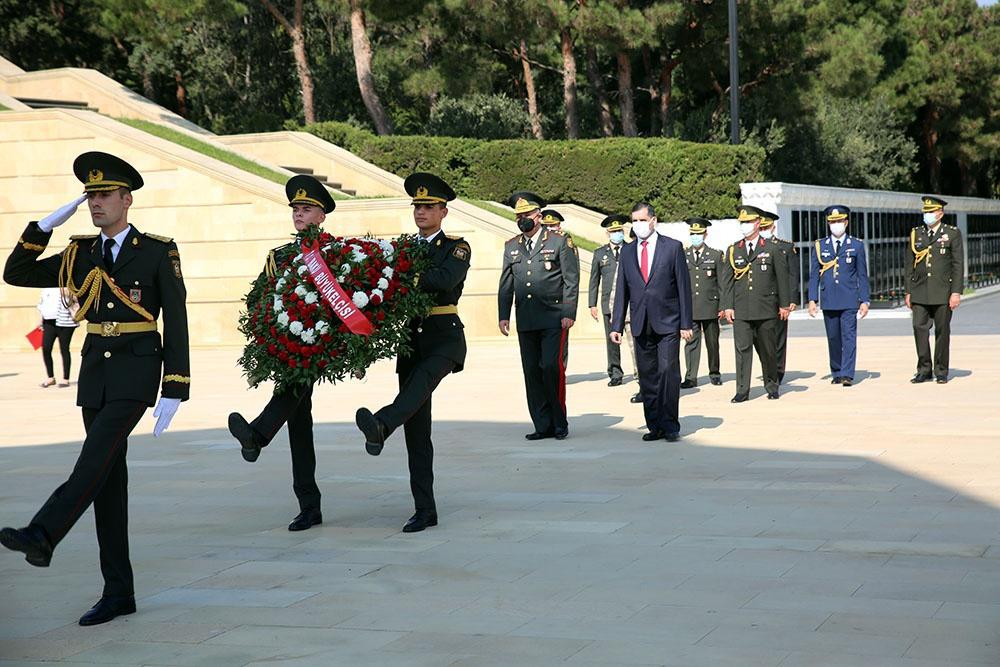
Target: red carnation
321	363
283	356
305	363
292	363
380	315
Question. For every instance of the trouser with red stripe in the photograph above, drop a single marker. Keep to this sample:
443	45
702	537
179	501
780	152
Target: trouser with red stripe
99	477
545	377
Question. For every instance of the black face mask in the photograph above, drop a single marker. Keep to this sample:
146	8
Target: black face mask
525	224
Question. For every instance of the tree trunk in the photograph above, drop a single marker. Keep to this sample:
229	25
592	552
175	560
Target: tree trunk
666	91
653	85
363	66
625	100
529	87
181	94
569	86
600	96
296	31
930	136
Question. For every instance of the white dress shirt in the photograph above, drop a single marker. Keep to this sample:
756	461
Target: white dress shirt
119	240
650	251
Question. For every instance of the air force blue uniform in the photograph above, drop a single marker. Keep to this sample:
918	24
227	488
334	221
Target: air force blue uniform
838	281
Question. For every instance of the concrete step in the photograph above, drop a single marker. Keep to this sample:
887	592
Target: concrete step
322	179
39	103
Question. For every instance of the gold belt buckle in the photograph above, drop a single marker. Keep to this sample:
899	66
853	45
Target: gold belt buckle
109	329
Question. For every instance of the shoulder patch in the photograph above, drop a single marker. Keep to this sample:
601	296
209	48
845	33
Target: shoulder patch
461	251
157	237
569	240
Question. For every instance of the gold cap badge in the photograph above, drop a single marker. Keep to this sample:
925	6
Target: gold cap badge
95	175
300	193
421	192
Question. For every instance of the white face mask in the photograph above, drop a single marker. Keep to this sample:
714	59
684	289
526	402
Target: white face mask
697	240
642	228
767	233
838	228
747	228
617	237
930	219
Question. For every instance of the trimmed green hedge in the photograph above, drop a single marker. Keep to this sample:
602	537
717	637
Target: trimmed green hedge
679	178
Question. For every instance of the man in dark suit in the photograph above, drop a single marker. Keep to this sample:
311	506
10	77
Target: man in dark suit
654	286
124	279
438	348
603	268
310	202
541	278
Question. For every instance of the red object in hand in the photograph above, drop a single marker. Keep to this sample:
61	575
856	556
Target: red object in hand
35	337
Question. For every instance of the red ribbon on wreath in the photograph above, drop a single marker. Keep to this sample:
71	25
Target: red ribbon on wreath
333	293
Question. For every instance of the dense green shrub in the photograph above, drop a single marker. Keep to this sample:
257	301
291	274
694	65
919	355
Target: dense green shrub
478	115
679	178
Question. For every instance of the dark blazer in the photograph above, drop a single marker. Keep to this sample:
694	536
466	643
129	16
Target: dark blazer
665	300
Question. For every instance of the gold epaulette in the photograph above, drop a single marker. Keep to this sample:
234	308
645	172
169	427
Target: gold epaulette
457	238
270	265
918	255
737	273
83	237
157	237
824	266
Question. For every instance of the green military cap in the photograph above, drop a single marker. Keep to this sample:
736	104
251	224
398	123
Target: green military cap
427	189
103	172
615	222
747	213
305	189
767	218
932	203
552	217
698	225
523	201
836	213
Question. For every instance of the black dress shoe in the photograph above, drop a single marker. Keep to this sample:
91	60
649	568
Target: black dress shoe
672	437
715	379
920	377
652	435
108	609
561	433
636	399
773	396
372	428
740	398
539	435
846	382
421	519
689	384
836	380
941	379
614	382
31	541
248	438
306	520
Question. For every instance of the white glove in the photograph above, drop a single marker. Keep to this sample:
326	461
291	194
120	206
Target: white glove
164	412
60	215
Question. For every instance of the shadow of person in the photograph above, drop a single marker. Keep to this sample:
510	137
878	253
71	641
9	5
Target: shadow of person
791	376
592	421
863	376
958	373
586	377
691	424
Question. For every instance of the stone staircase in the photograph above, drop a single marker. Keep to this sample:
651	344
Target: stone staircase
322	179
40	103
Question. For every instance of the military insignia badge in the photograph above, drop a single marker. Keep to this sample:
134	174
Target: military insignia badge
135	240
763	267
95	175
135	295
177	268
300	193
849	259
548	266
461	252
421	192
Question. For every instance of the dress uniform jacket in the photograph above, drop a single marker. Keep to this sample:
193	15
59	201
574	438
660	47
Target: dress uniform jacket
844	285
544	285
145	279
935	265
706	288
602	275
755	287
443	335
794	270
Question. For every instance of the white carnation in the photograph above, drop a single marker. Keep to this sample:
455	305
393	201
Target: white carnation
308	336
360	299
383	283
345	268
297	257
303	269
311	297
356	254
296	327
287	273
283	319
301	290
377	292
321	326
388	272
278	305
280	284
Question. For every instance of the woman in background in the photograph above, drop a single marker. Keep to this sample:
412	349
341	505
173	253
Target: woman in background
57	322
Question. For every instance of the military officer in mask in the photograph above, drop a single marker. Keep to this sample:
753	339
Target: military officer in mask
602	277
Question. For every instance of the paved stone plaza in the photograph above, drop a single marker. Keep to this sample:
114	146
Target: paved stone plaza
835	527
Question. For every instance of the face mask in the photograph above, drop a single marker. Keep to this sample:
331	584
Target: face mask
838	228
642	228
766	233
747	228
697	240
617	237
930	219
525	224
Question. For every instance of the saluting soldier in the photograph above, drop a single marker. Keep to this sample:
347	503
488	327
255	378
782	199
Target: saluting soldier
603	268
438	348
838	279
123	280
541	277
310	202
754	298
935	278
704	264
552	222
768	232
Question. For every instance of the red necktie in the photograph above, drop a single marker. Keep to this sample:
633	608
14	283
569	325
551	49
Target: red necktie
644	261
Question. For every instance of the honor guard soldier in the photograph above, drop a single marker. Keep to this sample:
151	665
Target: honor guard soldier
768	232
541	277
124	279
838	279
754	298
935	278
704	264
310	202
602	278
437	345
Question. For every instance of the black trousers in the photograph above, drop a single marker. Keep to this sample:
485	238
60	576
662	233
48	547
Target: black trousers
692	348
100	476
614	352
658	359
923	316
50	332
544	377
294	407
780	346
760	335
411	409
